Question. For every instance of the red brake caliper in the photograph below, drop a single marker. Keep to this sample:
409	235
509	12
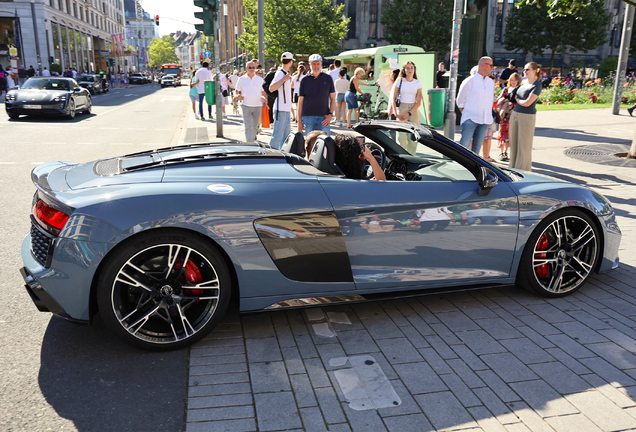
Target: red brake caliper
542	270
193	275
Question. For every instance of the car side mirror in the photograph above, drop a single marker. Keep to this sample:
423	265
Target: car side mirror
487	180
76	89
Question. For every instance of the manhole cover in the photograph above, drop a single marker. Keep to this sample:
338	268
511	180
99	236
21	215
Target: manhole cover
604	154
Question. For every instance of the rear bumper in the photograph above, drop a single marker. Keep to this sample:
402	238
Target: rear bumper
40	297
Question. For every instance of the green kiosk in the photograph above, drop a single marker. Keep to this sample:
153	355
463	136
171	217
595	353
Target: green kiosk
381	60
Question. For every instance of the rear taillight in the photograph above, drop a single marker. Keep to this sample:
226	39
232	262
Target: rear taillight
48	217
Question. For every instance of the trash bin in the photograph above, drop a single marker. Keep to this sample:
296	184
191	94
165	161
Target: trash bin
437	106
210	94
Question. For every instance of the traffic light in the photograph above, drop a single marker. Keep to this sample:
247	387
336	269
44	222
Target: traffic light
157	19
201	58
208	15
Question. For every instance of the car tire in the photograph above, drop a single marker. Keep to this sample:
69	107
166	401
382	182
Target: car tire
150	299
89	105
561	254
71	110
14	116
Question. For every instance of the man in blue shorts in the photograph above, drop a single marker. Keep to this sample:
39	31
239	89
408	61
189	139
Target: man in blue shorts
316	99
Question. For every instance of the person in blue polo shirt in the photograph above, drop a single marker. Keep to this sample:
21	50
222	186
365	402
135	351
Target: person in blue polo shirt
316	99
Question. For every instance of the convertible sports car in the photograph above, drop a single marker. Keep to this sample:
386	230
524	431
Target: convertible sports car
48	95
160	242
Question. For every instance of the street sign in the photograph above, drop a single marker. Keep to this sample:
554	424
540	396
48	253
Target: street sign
207	55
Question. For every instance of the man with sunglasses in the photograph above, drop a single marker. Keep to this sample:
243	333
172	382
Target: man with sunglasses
250	88
474	100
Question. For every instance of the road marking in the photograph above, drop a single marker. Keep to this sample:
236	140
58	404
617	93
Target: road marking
314	314
131	94
109	128
323	329
136	128
364	385
338	318
87	143
7	163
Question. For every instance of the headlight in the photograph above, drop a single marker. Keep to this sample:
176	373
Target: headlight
59	98
10	96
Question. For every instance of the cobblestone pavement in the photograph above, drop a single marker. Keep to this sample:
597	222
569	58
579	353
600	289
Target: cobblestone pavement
488	360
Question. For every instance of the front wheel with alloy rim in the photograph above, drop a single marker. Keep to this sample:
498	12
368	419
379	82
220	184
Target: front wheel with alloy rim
71	109
89	105
560	255
163	290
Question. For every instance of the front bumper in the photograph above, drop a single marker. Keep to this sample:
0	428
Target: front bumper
48	108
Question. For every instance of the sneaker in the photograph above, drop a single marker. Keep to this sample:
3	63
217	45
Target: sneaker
196	116
224	116
506	158
501	156
630	111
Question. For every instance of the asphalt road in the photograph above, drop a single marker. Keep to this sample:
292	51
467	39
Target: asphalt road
59	376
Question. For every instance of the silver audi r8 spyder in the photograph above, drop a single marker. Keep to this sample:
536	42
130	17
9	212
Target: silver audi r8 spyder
160	242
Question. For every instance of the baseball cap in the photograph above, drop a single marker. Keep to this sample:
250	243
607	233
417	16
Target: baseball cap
315	57
287	56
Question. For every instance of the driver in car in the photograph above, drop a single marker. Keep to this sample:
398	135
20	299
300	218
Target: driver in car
351	155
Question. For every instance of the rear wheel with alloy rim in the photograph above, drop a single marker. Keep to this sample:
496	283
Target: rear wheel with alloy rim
163	290
560	255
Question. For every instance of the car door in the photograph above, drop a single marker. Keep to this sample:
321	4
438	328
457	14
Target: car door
78	95
432	232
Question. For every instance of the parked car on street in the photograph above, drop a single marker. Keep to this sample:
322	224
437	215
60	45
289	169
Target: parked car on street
138	78
91	82
159	242
48	96
170	80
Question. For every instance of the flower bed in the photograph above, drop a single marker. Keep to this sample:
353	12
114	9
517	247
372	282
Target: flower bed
599	90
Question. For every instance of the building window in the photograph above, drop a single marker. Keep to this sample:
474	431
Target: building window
351	13
373	19
499	22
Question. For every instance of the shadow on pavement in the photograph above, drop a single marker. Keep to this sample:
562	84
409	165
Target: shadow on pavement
569	175
579	136
91	378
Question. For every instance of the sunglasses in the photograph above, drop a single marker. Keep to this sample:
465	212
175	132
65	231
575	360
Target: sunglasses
251	68
527	70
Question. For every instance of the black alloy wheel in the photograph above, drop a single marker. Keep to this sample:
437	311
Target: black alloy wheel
560	255
163	290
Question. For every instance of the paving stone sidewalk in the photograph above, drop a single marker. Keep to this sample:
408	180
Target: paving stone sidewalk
488	360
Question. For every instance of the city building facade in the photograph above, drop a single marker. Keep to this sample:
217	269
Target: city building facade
139	33
59	34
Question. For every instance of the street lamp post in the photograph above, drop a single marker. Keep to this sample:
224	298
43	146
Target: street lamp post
236	43
227	39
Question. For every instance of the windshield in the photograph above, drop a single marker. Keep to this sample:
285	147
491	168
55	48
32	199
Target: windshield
45	84
170	70
168	77
85	78
408	141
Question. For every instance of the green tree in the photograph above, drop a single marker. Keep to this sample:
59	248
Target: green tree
162	51
531	28
300	26
423	23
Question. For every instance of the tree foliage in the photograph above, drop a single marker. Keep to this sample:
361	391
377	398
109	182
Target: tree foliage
300	26
162	51
423	23
531	28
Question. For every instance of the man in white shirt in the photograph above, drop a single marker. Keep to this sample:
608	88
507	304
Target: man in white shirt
474	100
46	72
250	87
283	103
335	74
203	75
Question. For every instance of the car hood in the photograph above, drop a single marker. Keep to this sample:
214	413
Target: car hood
39	95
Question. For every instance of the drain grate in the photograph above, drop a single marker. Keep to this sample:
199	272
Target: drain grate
604	154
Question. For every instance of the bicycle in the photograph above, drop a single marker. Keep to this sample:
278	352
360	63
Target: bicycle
377	112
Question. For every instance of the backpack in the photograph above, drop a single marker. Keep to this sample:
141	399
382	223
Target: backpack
267	82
